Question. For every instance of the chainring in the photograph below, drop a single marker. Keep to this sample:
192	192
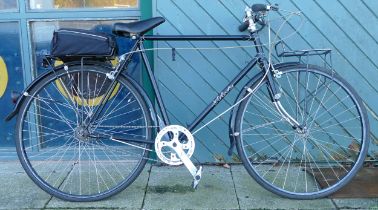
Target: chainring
173	136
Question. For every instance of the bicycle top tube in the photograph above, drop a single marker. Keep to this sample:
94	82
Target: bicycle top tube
254	37
198	37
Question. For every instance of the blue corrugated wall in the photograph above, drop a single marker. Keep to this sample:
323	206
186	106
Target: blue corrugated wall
193	79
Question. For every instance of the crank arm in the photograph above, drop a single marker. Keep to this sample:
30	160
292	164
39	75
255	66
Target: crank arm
196	173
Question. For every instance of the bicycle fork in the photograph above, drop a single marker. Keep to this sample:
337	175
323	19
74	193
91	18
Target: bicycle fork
275	94
286	116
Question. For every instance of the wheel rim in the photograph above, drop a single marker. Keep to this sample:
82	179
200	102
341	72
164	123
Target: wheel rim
321	155
73	160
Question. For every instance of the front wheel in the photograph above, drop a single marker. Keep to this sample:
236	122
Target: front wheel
318	157
70	158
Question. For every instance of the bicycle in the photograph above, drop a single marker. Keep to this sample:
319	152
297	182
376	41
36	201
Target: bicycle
85	130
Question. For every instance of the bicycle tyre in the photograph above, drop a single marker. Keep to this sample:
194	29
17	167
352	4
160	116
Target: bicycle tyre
90	169
323	168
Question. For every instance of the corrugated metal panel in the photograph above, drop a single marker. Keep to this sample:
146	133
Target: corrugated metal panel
348	27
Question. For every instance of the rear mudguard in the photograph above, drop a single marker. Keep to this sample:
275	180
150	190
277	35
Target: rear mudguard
87	62
240	96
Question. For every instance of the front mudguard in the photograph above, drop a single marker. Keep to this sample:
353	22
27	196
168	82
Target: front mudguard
232	120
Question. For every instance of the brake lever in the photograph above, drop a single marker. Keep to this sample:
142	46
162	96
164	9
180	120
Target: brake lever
261	20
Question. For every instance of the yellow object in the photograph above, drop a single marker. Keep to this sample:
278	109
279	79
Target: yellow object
86	102
115	62
3	77
57	63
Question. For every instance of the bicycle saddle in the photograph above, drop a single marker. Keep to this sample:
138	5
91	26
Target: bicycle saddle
138	27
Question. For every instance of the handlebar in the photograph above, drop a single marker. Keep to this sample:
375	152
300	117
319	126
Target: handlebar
259	8
254	14
264	7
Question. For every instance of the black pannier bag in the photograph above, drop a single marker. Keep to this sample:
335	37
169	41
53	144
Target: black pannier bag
82	43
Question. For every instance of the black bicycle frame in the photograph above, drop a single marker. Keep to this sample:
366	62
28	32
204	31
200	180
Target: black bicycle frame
258	59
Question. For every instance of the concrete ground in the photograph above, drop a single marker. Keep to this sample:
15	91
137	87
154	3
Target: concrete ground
168	188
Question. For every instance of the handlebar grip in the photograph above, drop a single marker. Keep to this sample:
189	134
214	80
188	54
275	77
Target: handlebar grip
244	26
259	8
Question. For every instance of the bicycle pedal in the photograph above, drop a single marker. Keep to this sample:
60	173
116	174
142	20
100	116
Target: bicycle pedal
197	178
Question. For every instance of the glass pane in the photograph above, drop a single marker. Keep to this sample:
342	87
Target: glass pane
70	4
11	77
8	4
42	32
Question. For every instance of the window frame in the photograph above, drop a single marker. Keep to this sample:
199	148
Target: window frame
80	9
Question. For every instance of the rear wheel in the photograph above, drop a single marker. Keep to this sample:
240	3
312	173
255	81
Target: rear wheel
70	159
320	156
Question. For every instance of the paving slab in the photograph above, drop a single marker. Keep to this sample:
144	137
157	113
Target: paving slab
11	167
252	196
170	188
130	198
357	203
17	190
84	208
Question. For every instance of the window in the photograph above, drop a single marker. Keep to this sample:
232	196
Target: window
72	4
11	77
8	4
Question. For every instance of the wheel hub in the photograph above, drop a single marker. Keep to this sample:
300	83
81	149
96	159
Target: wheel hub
82	133
302	132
